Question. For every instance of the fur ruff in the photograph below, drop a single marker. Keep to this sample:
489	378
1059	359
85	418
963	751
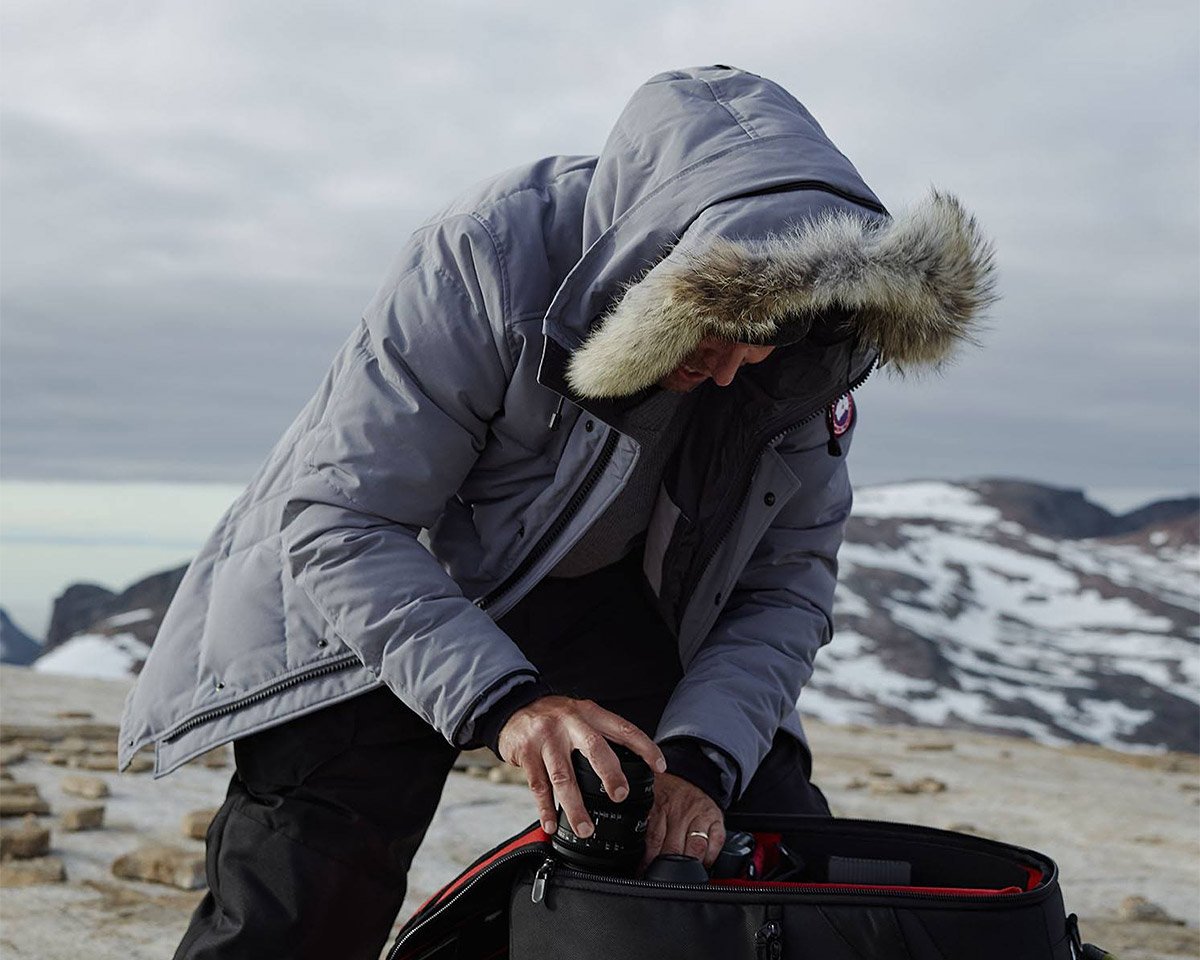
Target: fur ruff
914	286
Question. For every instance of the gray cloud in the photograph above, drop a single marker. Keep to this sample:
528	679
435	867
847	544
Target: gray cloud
198	199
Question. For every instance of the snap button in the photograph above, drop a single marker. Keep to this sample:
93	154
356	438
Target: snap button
322	642
769	499
589	426
220	685
717	600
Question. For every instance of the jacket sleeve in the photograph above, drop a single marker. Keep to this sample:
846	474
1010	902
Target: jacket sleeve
748	673
405	419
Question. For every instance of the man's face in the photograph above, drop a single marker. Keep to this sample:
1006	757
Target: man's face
714	358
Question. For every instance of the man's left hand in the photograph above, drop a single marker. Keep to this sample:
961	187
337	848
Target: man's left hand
684	819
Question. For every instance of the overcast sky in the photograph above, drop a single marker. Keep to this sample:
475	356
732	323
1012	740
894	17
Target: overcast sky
199	199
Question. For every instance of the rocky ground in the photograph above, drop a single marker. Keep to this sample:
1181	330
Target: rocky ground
1124	828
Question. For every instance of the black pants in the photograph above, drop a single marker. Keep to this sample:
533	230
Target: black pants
309	854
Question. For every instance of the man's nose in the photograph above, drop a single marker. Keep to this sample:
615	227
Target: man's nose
726	365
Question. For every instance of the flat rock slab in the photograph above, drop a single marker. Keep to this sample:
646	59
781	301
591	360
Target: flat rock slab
24	842
18	799
83	818
160	863
95	761
195	824
90	788
27	873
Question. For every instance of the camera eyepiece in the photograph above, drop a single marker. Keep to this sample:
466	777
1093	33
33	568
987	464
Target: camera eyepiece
619	841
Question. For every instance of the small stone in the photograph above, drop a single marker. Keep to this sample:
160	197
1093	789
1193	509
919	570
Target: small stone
923	785
25	842
18	799
858	783
1190	785
880	772
83	818
931	745
1144	911
140	764
11	753
74	715
72	745
479	773
1150	839
26	873
58	759
159	863
965	828
470	759
928	785
195	824
507	774
79	785
37	745
5	775
216	759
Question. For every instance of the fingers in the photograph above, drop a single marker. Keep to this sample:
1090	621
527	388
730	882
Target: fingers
594	746
704	839
557	758
623	732
656	831
543	796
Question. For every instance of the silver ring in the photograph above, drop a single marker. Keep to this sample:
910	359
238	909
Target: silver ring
697	833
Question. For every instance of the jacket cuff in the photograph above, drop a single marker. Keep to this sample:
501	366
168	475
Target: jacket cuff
488	726
702	765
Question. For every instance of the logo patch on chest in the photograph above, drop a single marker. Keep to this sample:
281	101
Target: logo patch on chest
841	415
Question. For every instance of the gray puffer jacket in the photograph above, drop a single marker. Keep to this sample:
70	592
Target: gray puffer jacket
460	442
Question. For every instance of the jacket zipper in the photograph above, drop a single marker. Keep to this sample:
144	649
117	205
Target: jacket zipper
694	581
560	523
330	666
458	894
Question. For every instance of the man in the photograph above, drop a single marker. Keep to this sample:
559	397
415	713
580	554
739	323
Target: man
578	476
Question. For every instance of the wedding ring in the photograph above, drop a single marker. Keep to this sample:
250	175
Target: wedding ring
697	833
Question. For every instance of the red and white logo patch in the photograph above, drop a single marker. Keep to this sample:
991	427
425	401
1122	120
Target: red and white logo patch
841	415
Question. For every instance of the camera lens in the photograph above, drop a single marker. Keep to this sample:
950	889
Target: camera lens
619	841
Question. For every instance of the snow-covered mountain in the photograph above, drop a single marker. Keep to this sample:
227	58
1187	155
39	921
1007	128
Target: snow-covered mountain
995	605
1014	607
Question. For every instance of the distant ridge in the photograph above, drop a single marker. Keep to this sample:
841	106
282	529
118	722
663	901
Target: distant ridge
995	604
16	646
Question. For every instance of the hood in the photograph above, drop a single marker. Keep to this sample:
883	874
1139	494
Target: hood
719	207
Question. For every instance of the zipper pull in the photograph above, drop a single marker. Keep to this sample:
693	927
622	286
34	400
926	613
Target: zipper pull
540	878
556	416
768	941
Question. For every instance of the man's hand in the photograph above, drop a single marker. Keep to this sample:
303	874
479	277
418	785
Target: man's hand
539	739
681	813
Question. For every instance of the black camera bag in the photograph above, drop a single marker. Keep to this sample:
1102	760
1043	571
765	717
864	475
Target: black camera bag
865	889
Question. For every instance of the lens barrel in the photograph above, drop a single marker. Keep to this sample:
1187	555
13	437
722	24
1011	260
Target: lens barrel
619	841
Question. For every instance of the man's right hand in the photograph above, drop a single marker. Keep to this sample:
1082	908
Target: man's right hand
539	739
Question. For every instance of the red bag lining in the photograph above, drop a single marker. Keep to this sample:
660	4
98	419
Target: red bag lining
787	885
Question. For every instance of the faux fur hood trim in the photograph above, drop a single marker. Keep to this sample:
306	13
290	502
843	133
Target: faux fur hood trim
914	286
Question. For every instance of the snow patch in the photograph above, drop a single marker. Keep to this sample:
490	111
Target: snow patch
929	500
111	657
